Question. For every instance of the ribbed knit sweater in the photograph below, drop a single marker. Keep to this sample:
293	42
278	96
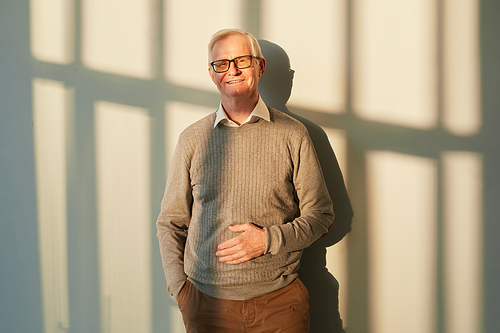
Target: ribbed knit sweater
266	173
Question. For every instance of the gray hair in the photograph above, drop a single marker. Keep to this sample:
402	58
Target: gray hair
221	34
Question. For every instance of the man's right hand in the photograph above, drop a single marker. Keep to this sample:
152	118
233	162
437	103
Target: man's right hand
249	244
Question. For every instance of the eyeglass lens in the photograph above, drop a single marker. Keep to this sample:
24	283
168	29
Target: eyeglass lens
240	63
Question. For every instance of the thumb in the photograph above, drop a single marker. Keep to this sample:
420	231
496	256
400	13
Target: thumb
239	227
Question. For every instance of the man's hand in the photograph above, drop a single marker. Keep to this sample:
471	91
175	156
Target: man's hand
249	244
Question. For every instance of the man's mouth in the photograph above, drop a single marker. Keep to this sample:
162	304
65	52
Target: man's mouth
234	81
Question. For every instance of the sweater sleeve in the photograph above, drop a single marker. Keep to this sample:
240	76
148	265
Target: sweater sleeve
173	221
315	206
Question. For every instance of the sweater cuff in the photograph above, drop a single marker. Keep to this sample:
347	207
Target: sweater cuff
273	239
267	240
174	288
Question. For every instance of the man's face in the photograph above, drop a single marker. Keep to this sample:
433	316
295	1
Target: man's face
236	82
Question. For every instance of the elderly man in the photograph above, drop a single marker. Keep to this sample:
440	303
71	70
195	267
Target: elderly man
244	195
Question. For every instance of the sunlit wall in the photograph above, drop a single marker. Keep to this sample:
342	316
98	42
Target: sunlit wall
123	202
395	85
51	110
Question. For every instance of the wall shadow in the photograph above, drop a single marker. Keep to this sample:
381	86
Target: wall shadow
275	87
21	308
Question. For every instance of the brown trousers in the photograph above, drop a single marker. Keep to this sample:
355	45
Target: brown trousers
284	310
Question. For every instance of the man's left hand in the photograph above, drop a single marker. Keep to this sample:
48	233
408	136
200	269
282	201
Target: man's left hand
249	244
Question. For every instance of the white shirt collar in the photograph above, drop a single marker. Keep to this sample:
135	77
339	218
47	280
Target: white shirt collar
260	111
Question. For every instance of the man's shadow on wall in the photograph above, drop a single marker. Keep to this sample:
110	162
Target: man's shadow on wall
275	87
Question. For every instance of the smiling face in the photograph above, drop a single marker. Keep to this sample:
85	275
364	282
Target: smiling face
236	83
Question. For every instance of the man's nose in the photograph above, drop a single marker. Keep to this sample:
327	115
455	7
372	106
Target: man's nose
233	69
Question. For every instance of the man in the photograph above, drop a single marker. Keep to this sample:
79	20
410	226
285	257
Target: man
244	195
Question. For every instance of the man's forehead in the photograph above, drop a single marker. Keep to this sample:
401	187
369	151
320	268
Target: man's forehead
231	43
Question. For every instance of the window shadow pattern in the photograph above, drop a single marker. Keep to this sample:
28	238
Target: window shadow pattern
19	240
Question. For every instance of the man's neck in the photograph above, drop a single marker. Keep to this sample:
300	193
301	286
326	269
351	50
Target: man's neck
238	109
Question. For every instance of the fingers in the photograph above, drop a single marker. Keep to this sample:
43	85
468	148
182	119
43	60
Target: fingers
249	244
236	255
228	244
233	249
236	240
241	227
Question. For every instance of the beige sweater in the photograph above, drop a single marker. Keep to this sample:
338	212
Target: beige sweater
266	173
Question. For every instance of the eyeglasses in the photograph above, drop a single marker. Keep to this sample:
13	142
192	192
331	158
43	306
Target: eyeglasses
241	62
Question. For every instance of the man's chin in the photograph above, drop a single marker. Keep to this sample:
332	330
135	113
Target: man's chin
235	93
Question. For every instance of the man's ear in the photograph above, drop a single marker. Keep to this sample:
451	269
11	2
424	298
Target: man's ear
211	73
262	66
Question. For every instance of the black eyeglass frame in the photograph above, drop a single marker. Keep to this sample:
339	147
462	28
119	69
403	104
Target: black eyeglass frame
233	61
